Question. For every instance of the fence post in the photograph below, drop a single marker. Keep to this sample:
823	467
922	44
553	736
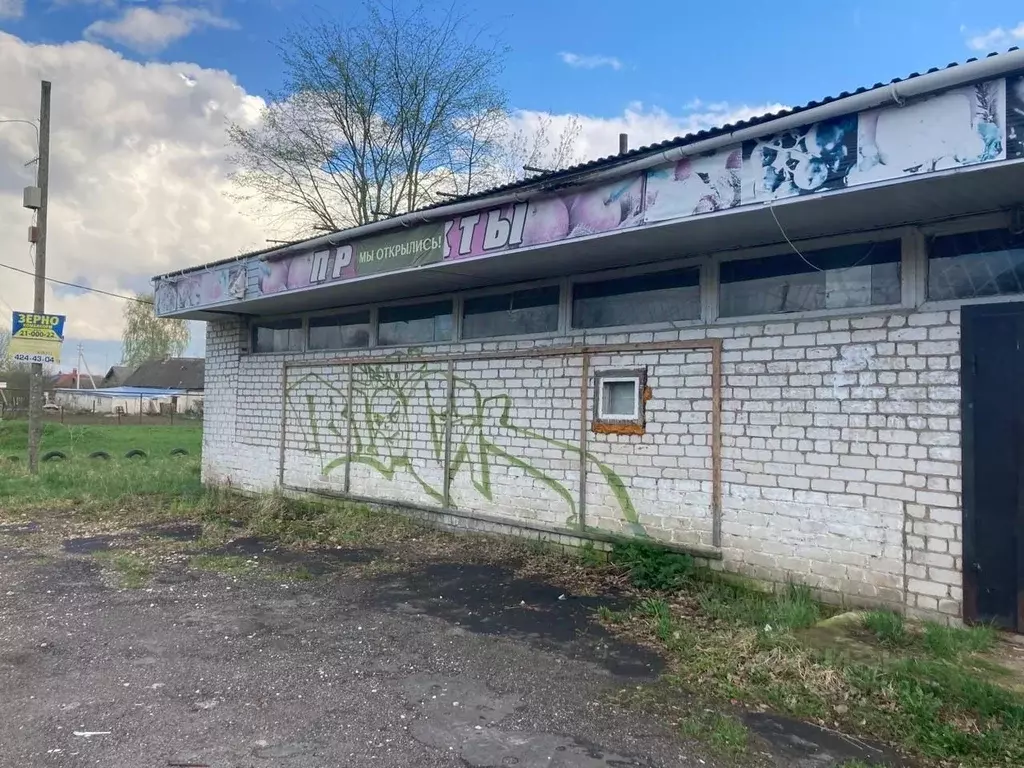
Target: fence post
140	409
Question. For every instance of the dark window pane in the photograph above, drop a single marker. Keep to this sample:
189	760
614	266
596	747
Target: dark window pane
511	314
416	323
989	263
862	275
340	331
652	298
277	336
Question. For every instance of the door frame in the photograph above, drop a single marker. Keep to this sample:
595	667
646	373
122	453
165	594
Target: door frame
970	315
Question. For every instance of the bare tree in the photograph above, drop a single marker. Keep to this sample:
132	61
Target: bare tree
538	146
374	119
496	147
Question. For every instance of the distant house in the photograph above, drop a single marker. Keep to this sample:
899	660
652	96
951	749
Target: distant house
116	376
155	388
73	380
185	374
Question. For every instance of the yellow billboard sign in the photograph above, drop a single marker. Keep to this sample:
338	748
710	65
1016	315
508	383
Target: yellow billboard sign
36	338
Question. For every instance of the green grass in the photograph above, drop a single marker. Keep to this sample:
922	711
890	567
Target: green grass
133	571
932	640
78	441
81	479
930	694
954	642
232	565
723	733
888	627
791	608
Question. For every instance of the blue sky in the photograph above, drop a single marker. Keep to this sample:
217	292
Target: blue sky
597	58
665	54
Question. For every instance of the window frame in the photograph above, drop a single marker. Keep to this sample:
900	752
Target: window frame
456	302
480	293
255	322
796	251
908	269
960	226
634	423
370	314
701	263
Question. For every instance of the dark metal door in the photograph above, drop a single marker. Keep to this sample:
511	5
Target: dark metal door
993	444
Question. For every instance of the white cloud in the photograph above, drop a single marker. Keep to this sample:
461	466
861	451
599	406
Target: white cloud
148	31
996	39
137	179
599	136
582	61
139	169
12	9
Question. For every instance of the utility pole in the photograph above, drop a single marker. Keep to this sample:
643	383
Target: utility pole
35	412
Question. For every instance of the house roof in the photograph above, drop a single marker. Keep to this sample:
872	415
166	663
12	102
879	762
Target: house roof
551	179
67	381
174	373
116	375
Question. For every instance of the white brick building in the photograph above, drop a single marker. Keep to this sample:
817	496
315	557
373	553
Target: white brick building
746	344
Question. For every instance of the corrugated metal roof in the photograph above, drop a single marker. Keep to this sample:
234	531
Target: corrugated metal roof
550	179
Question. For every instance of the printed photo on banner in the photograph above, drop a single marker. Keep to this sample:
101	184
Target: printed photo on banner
1015	117
961	127
806	160
693	185
213	286
600	209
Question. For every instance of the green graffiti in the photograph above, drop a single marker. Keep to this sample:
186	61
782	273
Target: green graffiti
382	433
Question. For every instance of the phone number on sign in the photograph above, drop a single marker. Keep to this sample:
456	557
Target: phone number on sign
24	357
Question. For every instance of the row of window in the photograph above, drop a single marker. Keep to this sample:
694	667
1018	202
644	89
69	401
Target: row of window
988	263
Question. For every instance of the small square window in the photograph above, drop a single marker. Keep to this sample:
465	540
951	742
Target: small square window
619	401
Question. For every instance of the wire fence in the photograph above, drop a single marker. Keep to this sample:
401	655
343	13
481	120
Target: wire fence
93	407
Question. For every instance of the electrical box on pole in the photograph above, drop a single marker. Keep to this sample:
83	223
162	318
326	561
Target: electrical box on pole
32	198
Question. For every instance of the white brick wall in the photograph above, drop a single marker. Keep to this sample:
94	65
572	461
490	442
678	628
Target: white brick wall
840	443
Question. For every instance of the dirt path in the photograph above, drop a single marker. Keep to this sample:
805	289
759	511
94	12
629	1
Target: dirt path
440	664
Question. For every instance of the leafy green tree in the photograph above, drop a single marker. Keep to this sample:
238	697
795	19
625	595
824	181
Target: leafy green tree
148	337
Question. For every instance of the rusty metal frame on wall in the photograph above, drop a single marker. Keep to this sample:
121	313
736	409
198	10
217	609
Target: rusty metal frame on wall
713	345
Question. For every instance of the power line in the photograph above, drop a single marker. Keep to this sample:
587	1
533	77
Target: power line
26	122
80	287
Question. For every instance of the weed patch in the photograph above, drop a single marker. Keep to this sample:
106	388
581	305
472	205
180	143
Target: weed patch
232	565
132	570
723	733
888	627
952	642
652	568
792	608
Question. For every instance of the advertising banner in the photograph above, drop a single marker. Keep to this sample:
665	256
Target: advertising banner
36	338
373	256
592	211
202	289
